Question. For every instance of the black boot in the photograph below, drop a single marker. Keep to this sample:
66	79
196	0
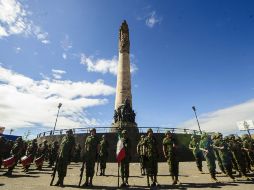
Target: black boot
86	183
61	182
91	181
8	173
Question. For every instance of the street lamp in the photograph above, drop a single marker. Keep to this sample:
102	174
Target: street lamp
59	106
194	109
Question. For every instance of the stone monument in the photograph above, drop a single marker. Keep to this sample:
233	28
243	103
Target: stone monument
124	115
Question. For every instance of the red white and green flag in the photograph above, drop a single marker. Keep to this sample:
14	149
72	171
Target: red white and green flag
120	151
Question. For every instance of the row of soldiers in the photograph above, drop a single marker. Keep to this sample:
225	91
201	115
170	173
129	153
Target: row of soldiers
228	152
231	152
24	152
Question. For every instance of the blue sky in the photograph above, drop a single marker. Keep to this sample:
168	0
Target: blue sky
183	53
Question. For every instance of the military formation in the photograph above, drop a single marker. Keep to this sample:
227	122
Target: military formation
234	155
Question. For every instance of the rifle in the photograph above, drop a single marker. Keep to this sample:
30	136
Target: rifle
81	173
54	172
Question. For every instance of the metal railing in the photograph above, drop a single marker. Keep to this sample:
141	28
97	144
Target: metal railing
111	130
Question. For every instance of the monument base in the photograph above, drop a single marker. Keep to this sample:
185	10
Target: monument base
130	127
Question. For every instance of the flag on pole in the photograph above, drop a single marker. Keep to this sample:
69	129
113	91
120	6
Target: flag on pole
120	151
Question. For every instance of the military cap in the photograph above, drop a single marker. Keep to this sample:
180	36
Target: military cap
93	129
149	130
167	132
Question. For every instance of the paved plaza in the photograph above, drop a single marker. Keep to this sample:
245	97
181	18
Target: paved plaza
190	178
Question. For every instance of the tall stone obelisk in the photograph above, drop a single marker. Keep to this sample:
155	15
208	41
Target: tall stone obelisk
123	87
124	116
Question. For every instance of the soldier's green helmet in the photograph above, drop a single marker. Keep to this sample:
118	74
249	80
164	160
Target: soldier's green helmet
232	137
149	130
93	129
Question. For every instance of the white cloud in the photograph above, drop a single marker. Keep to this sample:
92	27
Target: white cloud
103	65
14	20
223	120
25	102
64	55
18	49
152	19
66	43
57	74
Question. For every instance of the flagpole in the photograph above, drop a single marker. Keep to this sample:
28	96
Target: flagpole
118	175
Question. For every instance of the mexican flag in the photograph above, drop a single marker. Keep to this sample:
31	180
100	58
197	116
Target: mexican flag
120	151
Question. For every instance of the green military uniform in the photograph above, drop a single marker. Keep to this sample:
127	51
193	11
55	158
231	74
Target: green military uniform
224	154
141	154
31	151
206	146
197	153
151	156
53	153
216	141
91	153
170	153
103	154
236	149
248	146
125	163
16	151
65	152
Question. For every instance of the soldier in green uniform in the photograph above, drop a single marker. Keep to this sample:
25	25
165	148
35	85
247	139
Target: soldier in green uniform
103	154
53	153
207	148
216	139
65	151
170	153
16	151
141	154
224	153
90	156
31	151
248	147
125	163
236	149
151	155
197	153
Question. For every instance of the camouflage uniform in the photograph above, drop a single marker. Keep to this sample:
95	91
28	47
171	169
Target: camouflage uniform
125	163
206	146
141	154
224	154
53	153
197	153
103	154
91	154
65	151
236	149
216	141
170	153
248	146
151	156
42	152
16	151
31	151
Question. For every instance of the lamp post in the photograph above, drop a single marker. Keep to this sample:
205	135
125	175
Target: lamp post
59	106
194	109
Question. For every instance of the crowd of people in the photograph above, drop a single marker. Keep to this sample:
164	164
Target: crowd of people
233	154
